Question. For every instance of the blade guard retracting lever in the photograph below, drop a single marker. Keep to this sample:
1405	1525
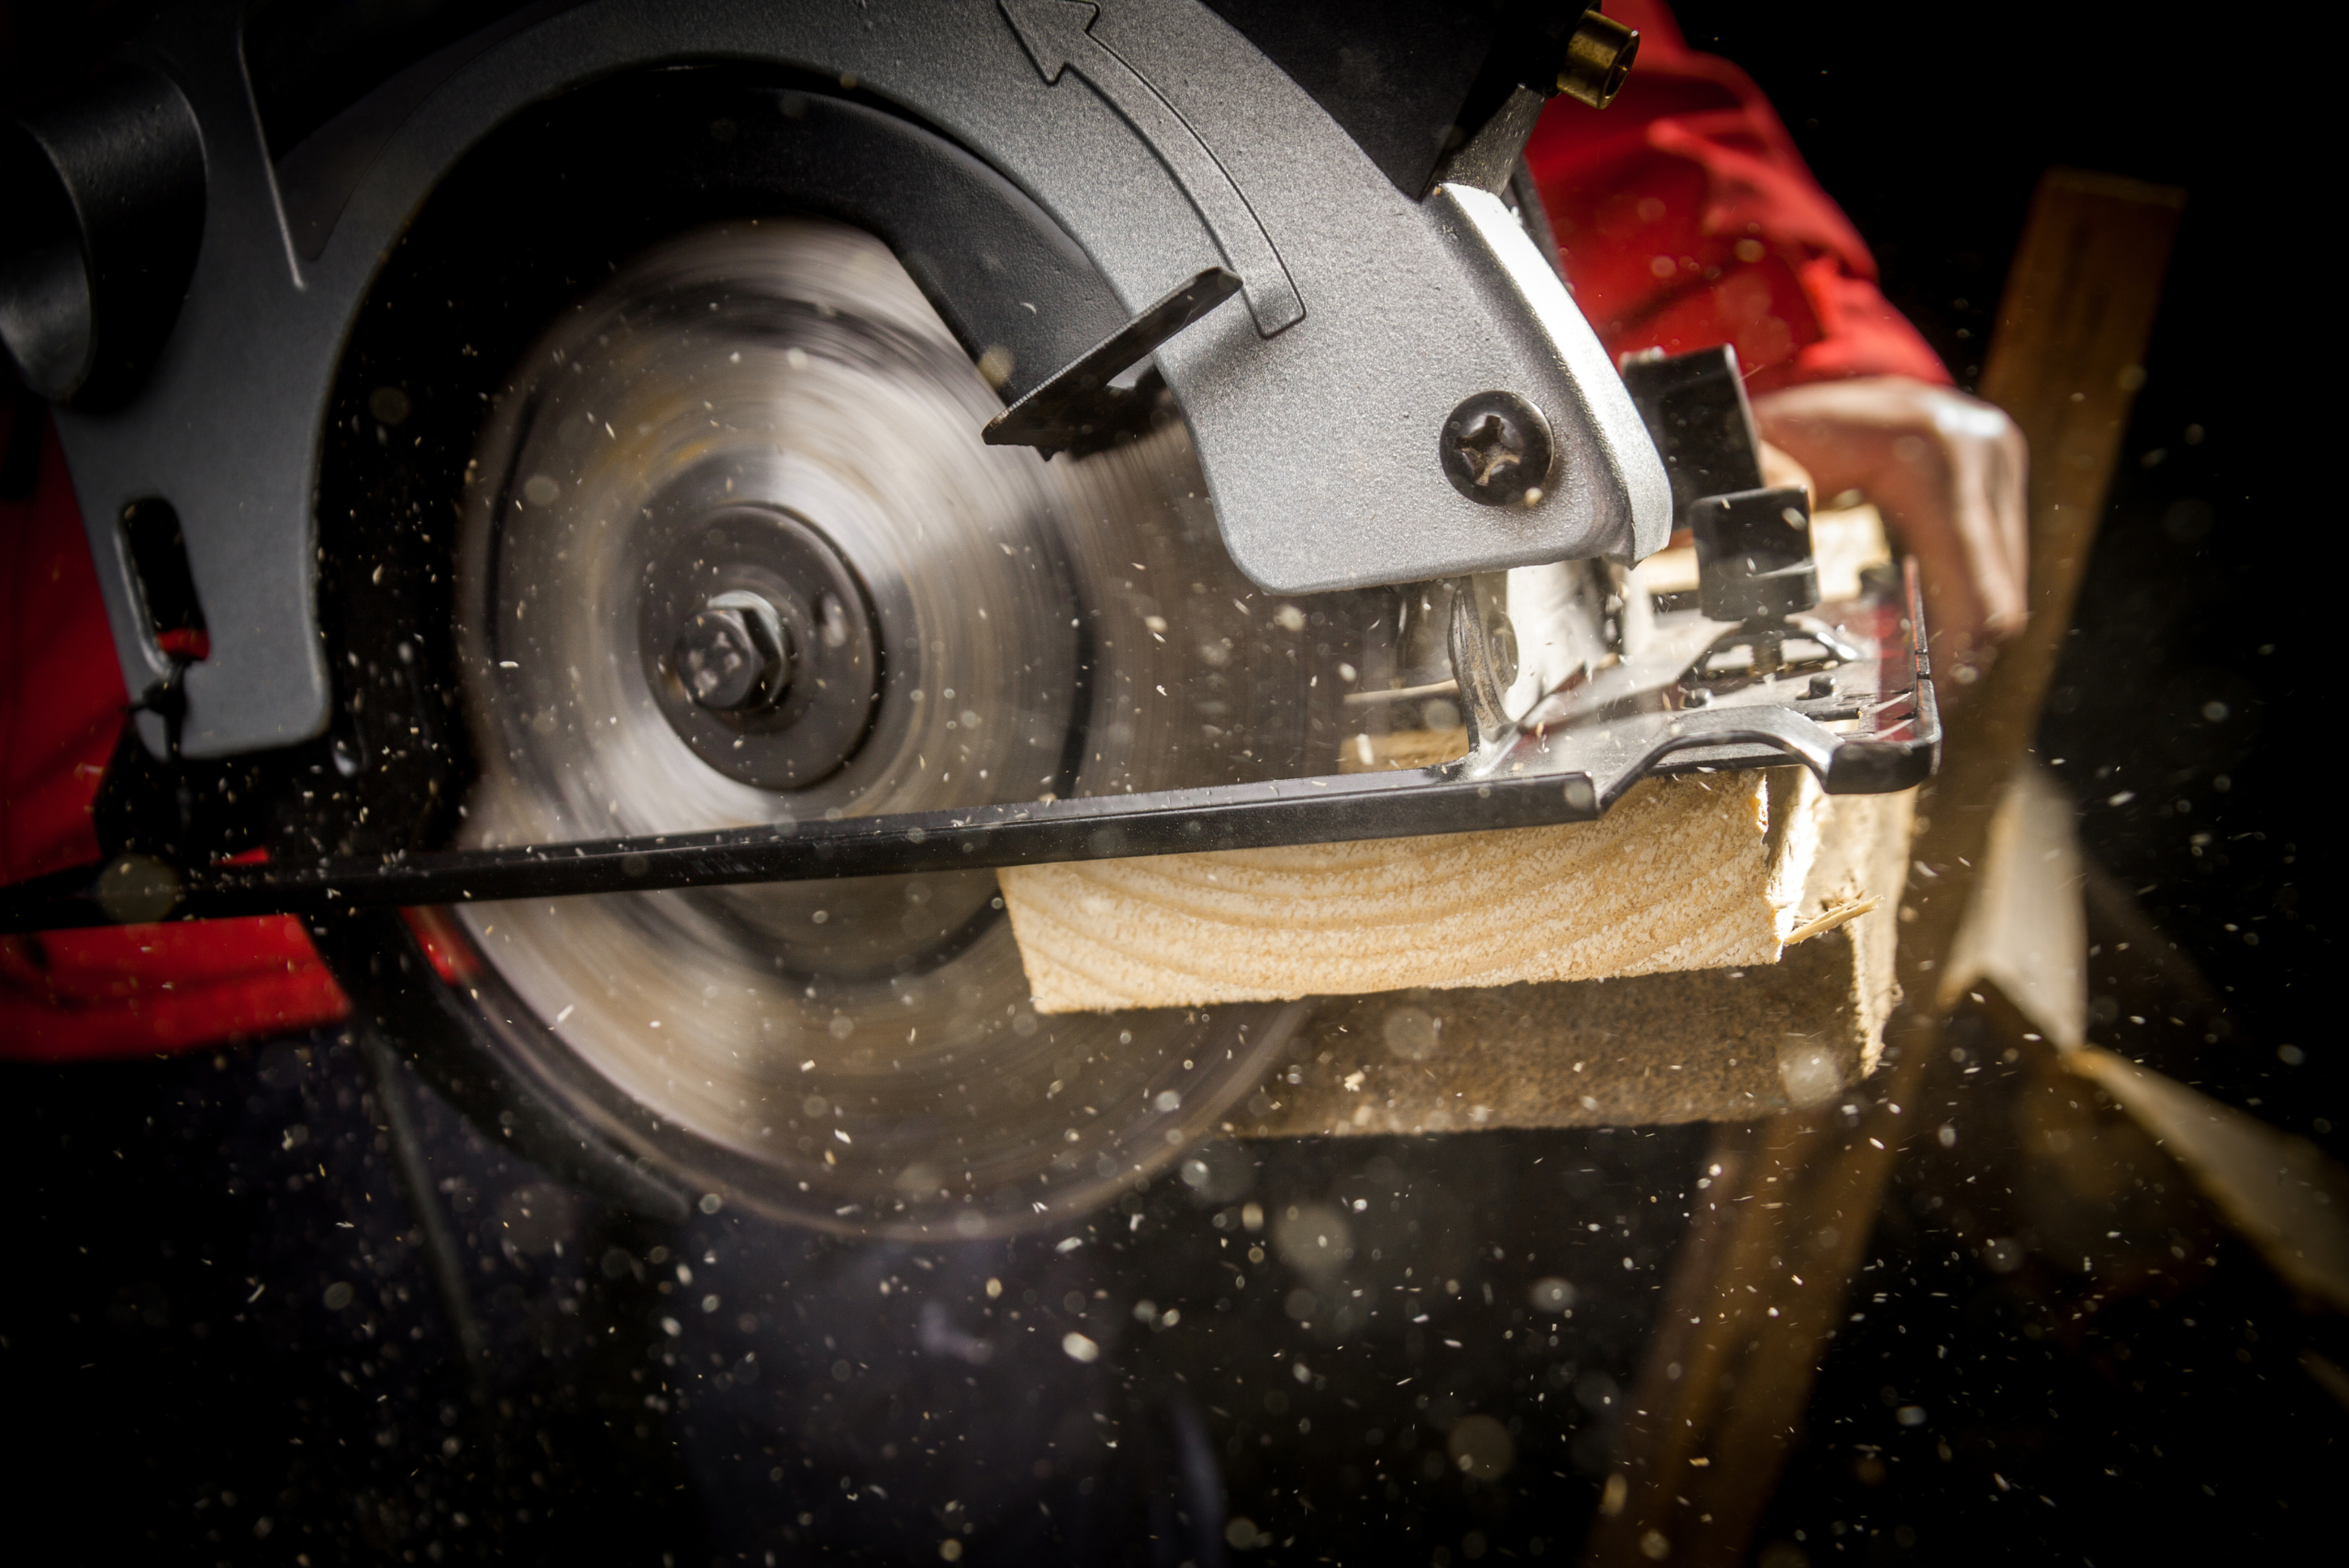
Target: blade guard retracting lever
1755	565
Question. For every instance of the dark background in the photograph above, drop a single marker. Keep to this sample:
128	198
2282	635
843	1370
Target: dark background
176	1372
2207	582
2103	1413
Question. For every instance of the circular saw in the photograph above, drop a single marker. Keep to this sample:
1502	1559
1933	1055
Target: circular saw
674	496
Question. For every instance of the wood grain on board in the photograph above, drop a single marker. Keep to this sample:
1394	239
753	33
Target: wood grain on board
1727	1043
1694	872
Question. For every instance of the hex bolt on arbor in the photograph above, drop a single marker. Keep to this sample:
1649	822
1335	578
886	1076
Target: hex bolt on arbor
735	654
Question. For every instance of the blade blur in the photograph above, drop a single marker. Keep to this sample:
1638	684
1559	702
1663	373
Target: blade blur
770	415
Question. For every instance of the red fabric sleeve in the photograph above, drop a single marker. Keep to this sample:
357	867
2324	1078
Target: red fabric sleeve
130	990
1685	217
60	689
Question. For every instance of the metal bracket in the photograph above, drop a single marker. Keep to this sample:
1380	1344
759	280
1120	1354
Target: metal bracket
1081	409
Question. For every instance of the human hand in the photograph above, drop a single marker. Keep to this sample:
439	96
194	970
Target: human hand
1947	471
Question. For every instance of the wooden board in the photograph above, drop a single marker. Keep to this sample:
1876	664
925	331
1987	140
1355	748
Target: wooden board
1695	873
2280	1191
1723	1044
2026	930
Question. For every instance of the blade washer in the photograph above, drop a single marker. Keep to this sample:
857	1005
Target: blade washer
819	717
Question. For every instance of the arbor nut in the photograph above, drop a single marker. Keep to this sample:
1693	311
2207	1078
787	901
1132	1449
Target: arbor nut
733	655
1496	451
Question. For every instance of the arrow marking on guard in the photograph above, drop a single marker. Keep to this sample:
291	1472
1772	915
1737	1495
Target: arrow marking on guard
1058	37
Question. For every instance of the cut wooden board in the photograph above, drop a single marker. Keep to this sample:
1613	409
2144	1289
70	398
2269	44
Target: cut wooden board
2281	1192
2025	936
1695	873
1716	1045
2026	929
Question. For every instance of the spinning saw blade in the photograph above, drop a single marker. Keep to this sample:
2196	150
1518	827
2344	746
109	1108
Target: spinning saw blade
759	448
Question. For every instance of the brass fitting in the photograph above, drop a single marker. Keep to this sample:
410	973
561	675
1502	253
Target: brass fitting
1598	56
